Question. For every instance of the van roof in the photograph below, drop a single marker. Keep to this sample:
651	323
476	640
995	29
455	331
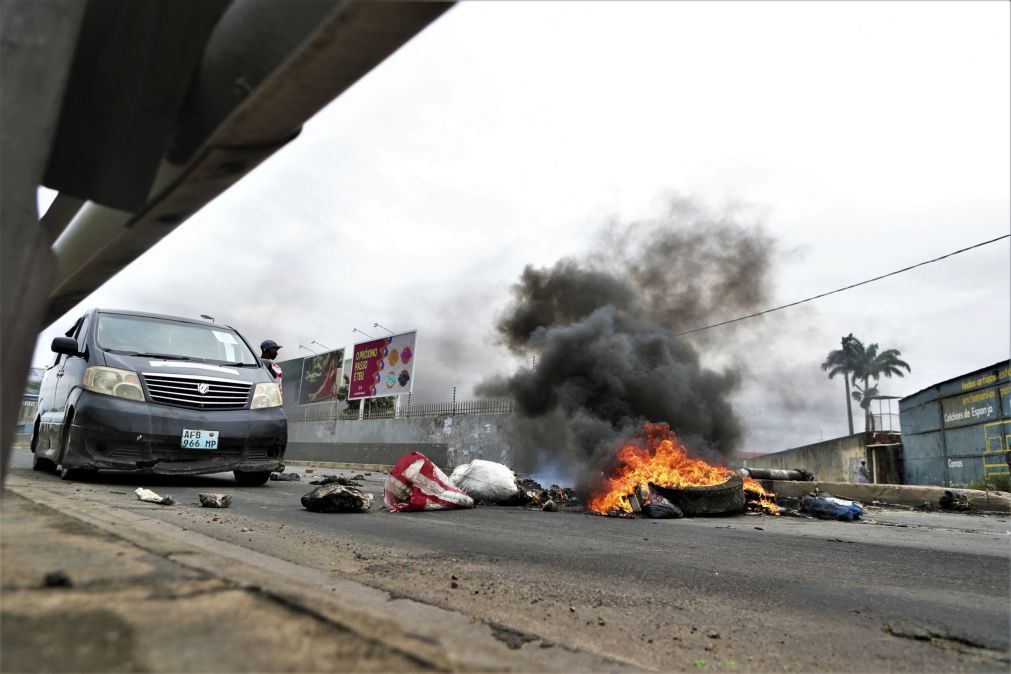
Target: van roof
144	314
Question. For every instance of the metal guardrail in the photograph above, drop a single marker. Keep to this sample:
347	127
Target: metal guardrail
338	411
492	406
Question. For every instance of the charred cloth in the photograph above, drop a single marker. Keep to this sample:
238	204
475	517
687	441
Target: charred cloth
336	498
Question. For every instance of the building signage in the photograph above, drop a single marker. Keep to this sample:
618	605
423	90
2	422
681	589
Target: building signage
971	408
321	377
987	379
383	367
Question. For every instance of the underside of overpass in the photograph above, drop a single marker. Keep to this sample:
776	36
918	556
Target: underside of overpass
139	113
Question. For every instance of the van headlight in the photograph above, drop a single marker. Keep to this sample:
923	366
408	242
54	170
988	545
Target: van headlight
266	395
113	382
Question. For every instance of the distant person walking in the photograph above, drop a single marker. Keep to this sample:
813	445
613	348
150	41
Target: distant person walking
268	354
862	473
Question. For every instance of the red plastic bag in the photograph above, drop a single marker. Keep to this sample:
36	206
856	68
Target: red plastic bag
416	483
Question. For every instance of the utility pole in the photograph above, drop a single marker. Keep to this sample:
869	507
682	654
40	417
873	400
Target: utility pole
846	378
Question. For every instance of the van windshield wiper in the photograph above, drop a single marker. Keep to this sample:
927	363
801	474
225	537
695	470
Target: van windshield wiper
165	356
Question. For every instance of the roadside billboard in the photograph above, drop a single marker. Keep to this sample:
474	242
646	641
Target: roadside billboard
321	377
383	367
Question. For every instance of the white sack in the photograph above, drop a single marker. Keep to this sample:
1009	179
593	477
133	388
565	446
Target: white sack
485	481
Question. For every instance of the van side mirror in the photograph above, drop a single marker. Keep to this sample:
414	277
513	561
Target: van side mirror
66	346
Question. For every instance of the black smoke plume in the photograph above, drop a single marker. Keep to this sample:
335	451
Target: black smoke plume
599	334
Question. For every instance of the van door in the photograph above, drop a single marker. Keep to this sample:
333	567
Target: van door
69	375
47	402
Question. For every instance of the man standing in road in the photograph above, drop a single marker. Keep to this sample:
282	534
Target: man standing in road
268	353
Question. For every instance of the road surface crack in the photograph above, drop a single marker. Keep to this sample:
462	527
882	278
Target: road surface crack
948	642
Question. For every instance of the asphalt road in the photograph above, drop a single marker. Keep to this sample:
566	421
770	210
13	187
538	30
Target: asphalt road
901	591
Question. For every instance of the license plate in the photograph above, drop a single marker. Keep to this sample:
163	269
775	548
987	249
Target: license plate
199	439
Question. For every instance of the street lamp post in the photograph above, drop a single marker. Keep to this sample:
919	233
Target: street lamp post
376	325
323	345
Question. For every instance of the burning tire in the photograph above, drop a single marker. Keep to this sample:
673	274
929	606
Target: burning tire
718	499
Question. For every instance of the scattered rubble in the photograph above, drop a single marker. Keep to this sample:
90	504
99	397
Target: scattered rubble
550	506
793	512
58	578
336	479
955	500
149	496
337	498
534	495
285	477
215	500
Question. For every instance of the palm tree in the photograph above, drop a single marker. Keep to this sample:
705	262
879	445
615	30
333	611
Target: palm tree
864	363
840	361
869	364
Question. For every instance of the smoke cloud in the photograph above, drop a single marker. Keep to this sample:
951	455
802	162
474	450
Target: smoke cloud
599	334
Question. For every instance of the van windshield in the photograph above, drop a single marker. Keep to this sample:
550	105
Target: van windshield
164	338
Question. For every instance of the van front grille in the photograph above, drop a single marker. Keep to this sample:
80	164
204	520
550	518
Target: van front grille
185	391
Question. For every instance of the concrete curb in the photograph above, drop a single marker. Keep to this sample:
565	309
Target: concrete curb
334	465
444	639
897	494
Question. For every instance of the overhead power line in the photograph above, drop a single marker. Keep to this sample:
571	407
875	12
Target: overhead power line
839	290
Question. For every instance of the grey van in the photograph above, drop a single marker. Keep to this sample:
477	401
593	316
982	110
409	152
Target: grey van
157	394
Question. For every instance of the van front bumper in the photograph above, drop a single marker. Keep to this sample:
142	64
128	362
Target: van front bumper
118	434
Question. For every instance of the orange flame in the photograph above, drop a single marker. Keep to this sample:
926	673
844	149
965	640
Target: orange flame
664	461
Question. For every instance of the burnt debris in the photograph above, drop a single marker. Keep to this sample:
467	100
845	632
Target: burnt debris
336	479
337	498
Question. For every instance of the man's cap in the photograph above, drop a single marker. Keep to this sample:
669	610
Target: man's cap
269	344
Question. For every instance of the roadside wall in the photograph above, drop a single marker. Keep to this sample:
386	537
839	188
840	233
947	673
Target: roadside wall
956	432
830	461
447	440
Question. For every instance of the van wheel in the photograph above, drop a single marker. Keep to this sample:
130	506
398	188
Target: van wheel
42	464
251	479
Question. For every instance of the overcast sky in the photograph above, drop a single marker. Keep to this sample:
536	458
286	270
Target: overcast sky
864	136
